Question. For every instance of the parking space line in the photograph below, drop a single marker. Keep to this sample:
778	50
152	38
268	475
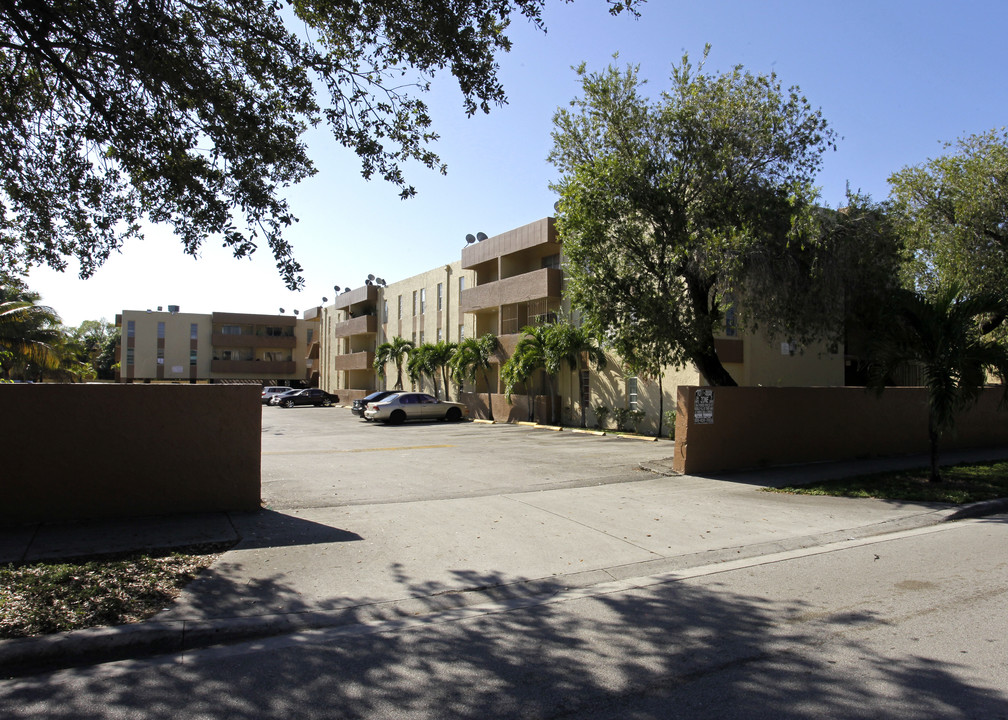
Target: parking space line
356	450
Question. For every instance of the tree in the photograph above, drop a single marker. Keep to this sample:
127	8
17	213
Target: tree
29	332
473	356
672	211
439	357
95	342
421	366
942	332
953	211
192	113
549	347
395	351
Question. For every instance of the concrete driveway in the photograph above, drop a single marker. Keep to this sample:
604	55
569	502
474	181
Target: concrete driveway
327	457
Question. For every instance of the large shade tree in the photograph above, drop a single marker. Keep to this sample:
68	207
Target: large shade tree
672	210
953	212
113	112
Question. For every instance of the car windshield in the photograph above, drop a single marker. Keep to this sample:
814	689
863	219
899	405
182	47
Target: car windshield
376	395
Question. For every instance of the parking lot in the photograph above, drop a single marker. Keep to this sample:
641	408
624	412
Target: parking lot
327	457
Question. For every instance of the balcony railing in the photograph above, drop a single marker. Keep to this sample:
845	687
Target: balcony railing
543	283
363	325
280	342
354	361
260	368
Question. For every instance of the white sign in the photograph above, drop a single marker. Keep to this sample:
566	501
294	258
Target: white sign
176	368
703	407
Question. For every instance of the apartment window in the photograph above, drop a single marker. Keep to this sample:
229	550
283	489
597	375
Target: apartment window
440	295
160	355
631	384
731	321
461	285
414	302
231	330
413	339
160	331
421	337
192	356
385	311
400	307
461	333
311	332
131	328
439	338
193	331
129	356
423	300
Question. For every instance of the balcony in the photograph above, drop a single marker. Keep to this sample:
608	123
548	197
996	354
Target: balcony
364	294
534	234
259	368
363	325
543	283
248	340
354	361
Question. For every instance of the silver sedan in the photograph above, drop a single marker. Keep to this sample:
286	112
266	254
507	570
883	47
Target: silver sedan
405	406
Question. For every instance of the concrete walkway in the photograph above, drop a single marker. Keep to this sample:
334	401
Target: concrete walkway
327	566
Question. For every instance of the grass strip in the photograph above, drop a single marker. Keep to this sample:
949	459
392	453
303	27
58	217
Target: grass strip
47	597
964	483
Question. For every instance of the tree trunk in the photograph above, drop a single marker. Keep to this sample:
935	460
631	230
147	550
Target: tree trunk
713	371
933	437
661	404
486	381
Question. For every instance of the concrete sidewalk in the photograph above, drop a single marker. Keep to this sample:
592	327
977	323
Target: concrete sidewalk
322	567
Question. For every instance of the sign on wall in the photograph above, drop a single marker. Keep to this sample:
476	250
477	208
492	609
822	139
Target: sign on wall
703	407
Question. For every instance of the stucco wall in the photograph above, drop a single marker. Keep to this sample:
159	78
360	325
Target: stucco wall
758	427
99	451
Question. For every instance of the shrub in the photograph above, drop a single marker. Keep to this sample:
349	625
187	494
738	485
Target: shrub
601	413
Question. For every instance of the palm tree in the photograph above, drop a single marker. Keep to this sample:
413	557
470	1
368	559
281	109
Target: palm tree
942	333
473	356
395	351
529	355
573	344
439	357
419	366
28	334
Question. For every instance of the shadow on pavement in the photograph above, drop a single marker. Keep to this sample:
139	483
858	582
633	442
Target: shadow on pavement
268	528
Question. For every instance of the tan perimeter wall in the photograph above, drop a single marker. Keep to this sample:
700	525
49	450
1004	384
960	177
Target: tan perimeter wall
759	427
99	451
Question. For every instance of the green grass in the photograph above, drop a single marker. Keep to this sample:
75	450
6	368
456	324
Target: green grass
47	597
966	483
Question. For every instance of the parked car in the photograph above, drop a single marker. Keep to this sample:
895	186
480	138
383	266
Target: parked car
272	391
399	407
309	396
359	406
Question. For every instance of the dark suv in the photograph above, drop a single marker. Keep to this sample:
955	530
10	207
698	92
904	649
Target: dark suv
359	406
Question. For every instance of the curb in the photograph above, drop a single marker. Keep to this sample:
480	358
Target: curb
26	656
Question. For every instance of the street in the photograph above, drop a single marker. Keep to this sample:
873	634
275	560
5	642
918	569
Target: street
909	625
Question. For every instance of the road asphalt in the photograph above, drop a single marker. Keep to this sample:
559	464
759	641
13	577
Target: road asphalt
319	567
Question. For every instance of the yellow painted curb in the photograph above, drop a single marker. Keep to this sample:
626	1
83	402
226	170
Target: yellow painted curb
481	421
585	431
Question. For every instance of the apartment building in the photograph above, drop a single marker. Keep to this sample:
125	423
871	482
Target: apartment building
515	279
214	347
422	308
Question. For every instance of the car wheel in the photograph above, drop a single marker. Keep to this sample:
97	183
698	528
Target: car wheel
397	417
288	403
453	414
326	402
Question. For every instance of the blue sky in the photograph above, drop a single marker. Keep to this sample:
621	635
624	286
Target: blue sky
896	80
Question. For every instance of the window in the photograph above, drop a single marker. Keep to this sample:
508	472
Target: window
421	337
231	330
631	384
413	339
439	338
160	331
423	300
385	311
129	355
461	285
731	321
440	295
414	303
461	333
311	331
160	356
193	331
131	328
400	307
192	356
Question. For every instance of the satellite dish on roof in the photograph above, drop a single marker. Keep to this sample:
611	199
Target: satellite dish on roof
470	239
295	312
325	299
556	206
481	236
370	277
380	281
282	311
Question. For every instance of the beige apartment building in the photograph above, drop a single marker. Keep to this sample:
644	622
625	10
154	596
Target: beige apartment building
215	347
422	308
512	280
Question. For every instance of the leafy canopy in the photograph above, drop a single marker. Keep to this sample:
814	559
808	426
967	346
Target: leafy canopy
674	210
191	112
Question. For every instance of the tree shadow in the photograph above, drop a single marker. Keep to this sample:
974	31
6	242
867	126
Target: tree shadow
673	649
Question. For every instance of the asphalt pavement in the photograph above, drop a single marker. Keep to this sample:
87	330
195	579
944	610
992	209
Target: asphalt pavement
366	523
